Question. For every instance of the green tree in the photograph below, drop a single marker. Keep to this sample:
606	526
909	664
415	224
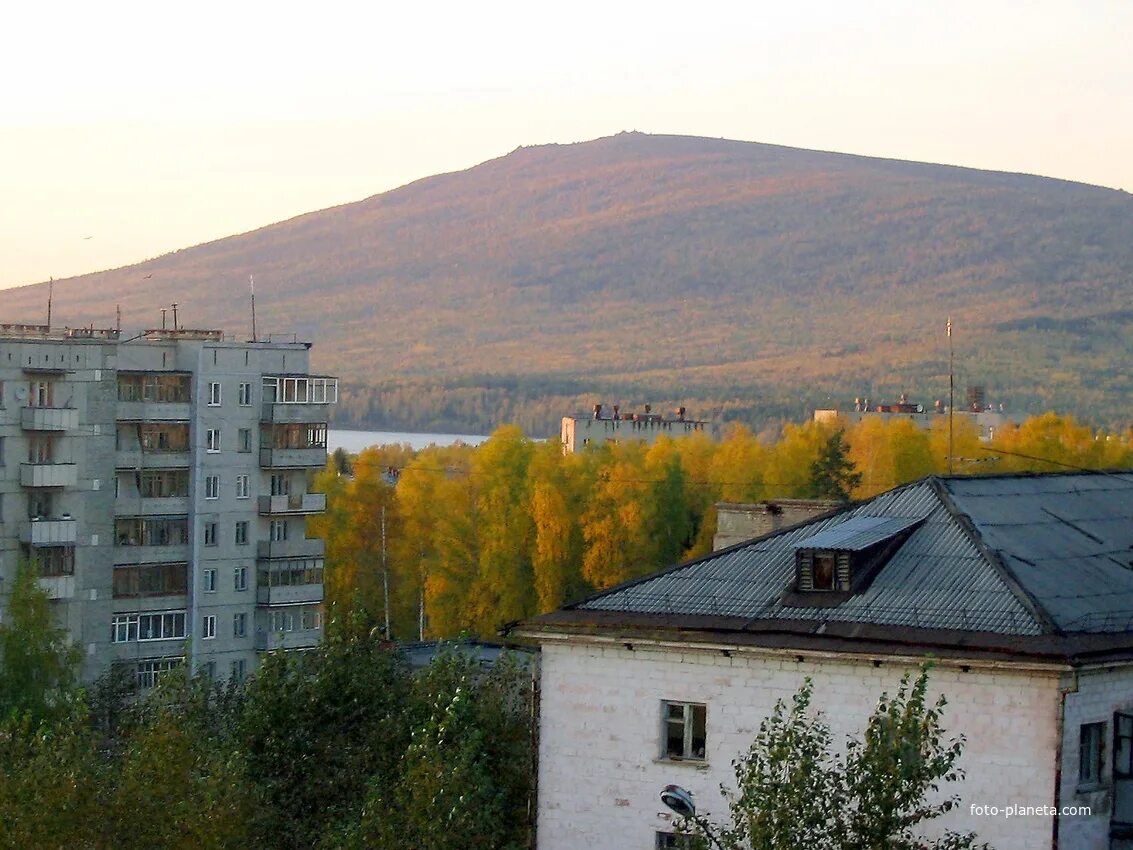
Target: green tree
38	664
832	474
793	791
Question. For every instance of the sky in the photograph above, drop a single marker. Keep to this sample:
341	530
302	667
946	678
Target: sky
130	129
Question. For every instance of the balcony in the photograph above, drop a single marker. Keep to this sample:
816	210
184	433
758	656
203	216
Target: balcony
296	503
131	555
58	587
294	414
49	474
267	641
151	506
153	411
50	532
292	595
275	549
49	418
293	458
138	459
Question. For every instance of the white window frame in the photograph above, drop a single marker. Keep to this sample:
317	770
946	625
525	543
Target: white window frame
214	394
239	625
278	530
242	486
158	625
212	440
245	395
212	486
244	440
240	578
208	580
686	722
240	539
208	627
212	531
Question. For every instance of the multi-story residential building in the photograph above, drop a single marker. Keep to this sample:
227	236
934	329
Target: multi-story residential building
577	432
987	420
160	484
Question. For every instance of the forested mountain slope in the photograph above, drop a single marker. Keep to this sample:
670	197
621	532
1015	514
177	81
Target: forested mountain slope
748	280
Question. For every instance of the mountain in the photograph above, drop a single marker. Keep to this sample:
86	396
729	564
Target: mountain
749	280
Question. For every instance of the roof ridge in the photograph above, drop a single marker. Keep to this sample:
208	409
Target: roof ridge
994	559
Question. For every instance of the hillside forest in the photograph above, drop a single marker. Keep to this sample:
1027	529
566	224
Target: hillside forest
465	539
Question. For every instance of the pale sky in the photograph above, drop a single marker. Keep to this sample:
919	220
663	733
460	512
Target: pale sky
130	129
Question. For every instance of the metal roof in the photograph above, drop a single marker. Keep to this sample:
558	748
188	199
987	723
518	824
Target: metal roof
857	533
1015	555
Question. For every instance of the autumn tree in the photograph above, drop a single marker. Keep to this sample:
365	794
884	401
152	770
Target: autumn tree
832	473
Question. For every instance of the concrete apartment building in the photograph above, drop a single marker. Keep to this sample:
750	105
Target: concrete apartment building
577	432
987	420
160	484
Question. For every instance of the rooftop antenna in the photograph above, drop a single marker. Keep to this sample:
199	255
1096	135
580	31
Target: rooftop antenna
118	313
951	395
174	306
50	291
163	318
252	281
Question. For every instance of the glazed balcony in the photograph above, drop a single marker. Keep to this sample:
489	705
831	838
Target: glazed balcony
292	413
314	457
292	595
57	587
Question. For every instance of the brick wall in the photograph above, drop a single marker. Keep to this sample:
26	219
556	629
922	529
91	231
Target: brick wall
600	769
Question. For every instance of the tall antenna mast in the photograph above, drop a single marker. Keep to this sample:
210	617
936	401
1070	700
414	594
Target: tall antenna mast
951	396
50	292
174	306
118	314
252	281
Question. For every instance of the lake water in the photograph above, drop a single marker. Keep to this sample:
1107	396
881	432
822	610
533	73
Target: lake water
355	441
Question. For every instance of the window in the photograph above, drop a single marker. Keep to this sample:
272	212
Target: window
238	670
292	573
209	581
210	533
208	627
244	443
239	625
41	393
41	448
214	393
245	394
151	531
163	483
212	486
1122	745
823	571
1091	753
240	578
148	673
153	387
160	625
295	618
241	486
158	438
212	440
53	560
280	484
278	529
242	532
135	581
673	841
683	730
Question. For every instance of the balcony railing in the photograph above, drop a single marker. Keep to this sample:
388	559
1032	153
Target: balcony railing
49	474
290	595
305	548
49	418
57	587
153	411
267	641
295	503
293	413
138	459
293	458
50	532
151	505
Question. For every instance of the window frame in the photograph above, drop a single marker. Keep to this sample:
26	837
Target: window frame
212	486
215	394
1091	754
244	394
243	486
208	627
212	441
688	725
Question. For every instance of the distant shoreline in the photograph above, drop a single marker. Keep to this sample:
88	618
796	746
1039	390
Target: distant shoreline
355	441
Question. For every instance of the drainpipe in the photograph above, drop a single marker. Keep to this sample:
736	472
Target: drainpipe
1064	690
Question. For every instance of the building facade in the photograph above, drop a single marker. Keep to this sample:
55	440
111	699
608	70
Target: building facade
159	483
613	426
1019	588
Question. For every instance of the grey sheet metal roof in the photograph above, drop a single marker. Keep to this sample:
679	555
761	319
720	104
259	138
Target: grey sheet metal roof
1015	555
857	533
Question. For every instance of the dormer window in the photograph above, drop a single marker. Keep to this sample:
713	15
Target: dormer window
843	558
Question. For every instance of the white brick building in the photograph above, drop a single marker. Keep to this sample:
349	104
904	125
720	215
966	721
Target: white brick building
1019	587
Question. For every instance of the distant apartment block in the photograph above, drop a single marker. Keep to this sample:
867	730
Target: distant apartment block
160	484
986	419
601	426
